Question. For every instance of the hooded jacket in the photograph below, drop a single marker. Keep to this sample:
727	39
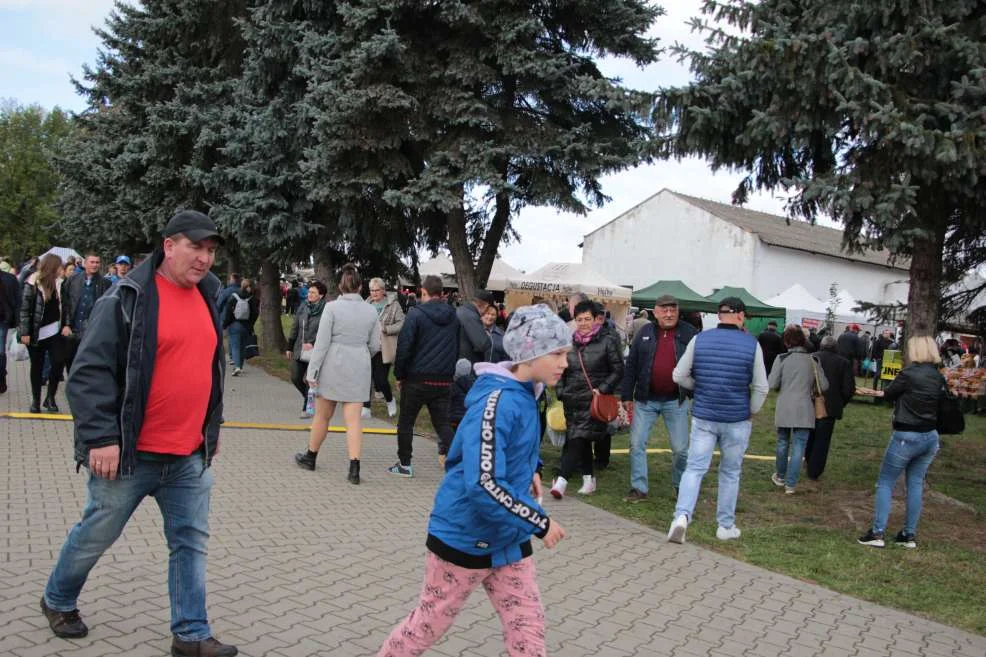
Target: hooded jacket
484	514
428	344
111	375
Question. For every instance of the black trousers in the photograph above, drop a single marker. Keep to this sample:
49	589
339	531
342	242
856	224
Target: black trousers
299	370
54	347
817	447
380	372
413	397
601	448
576	455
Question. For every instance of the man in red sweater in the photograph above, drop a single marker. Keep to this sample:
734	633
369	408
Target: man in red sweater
146	392
649	390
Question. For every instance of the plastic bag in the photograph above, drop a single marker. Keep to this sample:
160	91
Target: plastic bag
19	352
557	438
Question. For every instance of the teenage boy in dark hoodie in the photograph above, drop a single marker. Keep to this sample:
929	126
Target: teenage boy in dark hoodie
486	507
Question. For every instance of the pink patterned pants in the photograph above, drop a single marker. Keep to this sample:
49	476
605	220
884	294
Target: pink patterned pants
512	589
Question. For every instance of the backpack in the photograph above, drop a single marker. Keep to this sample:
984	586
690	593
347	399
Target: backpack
242	308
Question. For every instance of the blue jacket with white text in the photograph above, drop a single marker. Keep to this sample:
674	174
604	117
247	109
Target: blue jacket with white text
484	513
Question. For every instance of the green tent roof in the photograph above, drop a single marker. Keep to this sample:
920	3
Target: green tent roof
754	306
688	299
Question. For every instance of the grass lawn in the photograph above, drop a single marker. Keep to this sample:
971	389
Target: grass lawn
812	535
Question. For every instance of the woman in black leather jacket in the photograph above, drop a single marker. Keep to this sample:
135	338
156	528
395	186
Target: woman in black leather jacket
600	354
916	394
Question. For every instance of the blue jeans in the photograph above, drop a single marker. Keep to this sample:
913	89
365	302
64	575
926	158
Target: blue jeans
909	452
733	439
182	492
793	440
236	333
676	420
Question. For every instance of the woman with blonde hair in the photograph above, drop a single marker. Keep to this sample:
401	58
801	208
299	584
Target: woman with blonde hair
339	369
42	329
391	320
916	394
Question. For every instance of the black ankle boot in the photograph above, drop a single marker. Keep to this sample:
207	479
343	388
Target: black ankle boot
306	459
50	405
353	477
36	405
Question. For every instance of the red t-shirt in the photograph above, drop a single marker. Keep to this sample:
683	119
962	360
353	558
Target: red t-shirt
182	381
661	383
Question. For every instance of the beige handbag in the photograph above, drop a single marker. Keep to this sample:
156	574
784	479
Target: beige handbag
819	398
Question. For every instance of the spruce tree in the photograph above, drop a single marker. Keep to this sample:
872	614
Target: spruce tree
869	112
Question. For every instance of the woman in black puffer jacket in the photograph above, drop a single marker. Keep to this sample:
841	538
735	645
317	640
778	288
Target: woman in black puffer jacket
916	393
600	355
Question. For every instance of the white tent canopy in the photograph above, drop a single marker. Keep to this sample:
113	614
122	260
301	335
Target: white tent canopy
566	278
802	304
441	265
844	310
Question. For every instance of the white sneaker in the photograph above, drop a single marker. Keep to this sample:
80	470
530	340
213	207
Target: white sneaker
724	534
237	371
677	532
588	485
391	408
777	481
558	488
365	413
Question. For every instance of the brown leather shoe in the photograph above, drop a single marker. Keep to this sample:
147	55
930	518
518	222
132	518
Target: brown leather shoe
208	648
65	624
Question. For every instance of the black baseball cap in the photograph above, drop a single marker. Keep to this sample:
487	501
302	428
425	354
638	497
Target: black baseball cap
732	305
193	225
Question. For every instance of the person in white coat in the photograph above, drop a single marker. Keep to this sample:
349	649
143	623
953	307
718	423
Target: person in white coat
339	369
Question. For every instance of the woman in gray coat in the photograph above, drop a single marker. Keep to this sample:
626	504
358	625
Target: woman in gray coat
302	340
797	375
339	369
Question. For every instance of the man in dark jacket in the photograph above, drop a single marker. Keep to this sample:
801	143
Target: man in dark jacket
427	348
851	347
880	345
772	345
649	391
79	295
474	341
146	393
842	386
9	299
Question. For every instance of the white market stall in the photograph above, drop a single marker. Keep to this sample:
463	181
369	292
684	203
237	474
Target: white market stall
801	305
557	281
441	265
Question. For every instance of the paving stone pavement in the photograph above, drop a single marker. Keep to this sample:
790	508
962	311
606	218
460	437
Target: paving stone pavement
302	563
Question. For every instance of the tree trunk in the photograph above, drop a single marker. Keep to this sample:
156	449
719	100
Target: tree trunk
325	272
922	297
272	339
458	246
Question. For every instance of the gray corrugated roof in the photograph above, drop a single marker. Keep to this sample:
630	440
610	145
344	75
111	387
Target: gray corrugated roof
800	235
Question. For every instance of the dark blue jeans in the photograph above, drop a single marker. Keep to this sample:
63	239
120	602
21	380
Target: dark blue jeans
182	491
911	453
236	334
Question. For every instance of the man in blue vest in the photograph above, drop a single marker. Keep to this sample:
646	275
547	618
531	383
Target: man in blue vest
725	368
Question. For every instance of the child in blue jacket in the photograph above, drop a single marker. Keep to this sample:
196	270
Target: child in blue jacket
486	508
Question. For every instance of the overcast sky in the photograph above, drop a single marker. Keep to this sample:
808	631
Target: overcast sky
44	42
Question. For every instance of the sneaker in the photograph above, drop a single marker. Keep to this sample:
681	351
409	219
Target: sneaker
365	413
789	490
635	496
237	371
905	540
305	415
65	624
777	481
441	460
558	487
677	532
724	534
871	539
391	408
401	470
588	485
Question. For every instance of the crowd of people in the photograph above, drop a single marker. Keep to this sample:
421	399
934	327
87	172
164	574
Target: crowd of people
484	377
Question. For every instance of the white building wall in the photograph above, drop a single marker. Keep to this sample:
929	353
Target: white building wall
779	268
666	238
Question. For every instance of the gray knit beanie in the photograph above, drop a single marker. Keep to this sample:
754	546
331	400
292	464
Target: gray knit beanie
535	331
